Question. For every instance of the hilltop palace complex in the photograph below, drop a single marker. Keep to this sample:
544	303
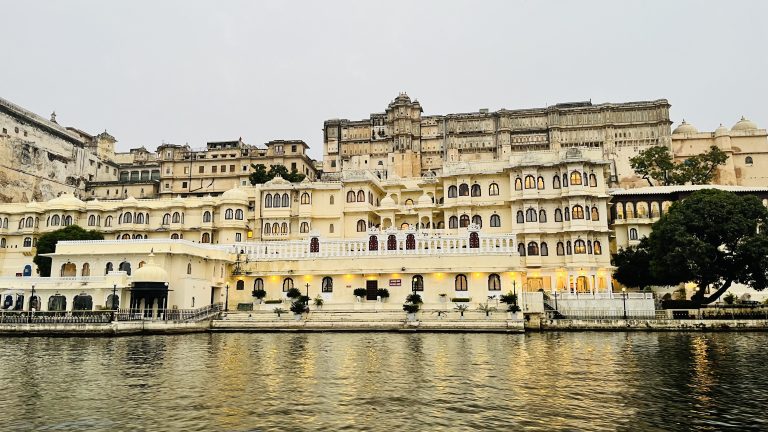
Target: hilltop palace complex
451	206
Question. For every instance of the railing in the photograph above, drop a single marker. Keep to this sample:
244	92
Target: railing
66	317
106	316
601	295
592	314
175	315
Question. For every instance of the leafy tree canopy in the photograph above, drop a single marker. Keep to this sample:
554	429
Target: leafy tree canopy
656	163
47	244
710	238
261	175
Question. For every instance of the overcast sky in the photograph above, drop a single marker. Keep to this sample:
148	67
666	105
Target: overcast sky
198	71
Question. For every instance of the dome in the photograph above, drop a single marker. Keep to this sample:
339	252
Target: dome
744	124
685	128
425	200
721	130
150	272
66	201
235	194
388	201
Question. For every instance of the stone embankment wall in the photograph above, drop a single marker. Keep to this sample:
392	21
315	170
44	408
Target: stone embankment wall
107	329
650	325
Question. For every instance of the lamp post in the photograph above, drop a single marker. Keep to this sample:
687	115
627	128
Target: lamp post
226	300
555	300
114	297
306	303
624	300
31	299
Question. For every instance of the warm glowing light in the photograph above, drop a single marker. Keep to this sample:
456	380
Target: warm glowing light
395	275
476	274
348	276
307	277
273	278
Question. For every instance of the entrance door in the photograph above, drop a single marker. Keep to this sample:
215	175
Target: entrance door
372	289
213	292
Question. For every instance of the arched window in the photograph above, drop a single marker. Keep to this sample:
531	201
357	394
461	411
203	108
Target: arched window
494	282
589	247
475	192
305	198
330	228
530	182
54	220
189	268
258	284
287	284
327	284
86	271
460	283
91	220
314	245
452	192
575	178
229	214
139	218
633	234
126	236
286	200
125	266
477	220
166	219
592	180
391	242
67	220
520	217
565	180
238	237
748	161
544	249
284	228
113	302
174	236
540	183
558	215
268	201
518	184
560	248
82	302
373	243
463	189
533	248
595	214
108	221
304	227
238	214
207	216
2	242
453	222
493	189
205	238
330	200
495	221
361	226
474	240
464	221
127	218
417	283
360	196
542	215
567	214
30	223
275	228
108	268
267	228
351	197
556	182
597	248
240	285
568	247
578	212
530	215
57	303
410	242
579	247
176	217
27	242
521	249
370	198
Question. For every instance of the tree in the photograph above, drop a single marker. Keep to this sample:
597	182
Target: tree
633	266
657	163
47	244
260	175
713	238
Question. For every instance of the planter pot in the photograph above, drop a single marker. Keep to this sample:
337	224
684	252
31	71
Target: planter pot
358	299
297	317
258	301
378	299
514	315
444	299
411	316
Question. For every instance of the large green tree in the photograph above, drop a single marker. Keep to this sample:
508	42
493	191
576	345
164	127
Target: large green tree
633	266
657	164
47	244
260	175
713	238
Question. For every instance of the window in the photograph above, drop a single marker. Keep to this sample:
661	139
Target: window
544	249
330	228
463	189
231	168
477	220
453	222
417	283
361	226
174	236
327	284
521	249
452	192
258	284
540	183
518	184
183	185
314	245
330	200
166	219
542	215
533	249
493	189
268	201
597	248
530	182
108	268
91	220
373	243
286	200
189	268
205	238
238	214
633	234
520	217
229	214
287	284
284	228
304	227
305	198
556	182
475	190
495	221
54	220
127	218
223	168
360	196
560	248
578	212
748	161
351	197
575	178
67	220
391	242
238	237
201	169
409	202
568	247
530	215
464	221
460	283
27	241
579	247
567	214
592	180
474	240
206	216
176	217
125	266
494	282
139	218
410	242
565	180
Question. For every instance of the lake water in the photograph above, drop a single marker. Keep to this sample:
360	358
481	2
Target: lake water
386	382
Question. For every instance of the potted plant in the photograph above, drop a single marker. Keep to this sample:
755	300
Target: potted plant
411	309
298	308
319	301
293	293
360	293
461	308
259	295
729	299
414	298
510	299
278	311
383	294
486	308
440	314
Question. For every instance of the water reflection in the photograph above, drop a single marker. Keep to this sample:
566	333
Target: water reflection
380	381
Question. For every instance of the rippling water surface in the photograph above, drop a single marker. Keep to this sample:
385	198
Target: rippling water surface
386	382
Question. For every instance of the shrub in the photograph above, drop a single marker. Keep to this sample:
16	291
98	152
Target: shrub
303	299
729	298
411	307
461	308
319	301
486	308
293	293
509	298
513	308
383	293
299	307
360	292
259	293
278	311
414	298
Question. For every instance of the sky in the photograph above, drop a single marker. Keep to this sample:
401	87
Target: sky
189	71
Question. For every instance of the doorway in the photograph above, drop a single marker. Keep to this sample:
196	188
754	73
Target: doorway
371	289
